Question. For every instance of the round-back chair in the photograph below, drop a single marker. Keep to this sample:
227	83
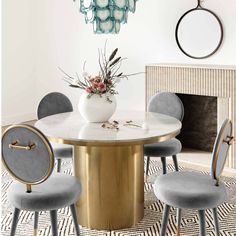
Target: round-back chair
168	104
54	103
51	104
221	147
28	157
195	190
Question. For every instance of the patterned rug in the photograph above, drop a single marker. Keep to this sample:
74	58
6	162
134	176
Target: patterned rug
149	226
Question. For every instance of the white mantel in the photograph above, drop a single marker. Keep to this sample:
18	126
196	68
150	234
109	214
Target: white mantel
201	66
205	80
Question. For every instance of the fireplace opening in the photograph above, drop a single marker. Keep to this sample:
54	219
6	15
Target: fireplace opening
199	126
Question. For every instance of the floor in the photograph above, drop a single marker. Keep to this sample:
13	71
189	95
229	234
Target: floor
200	160
148	226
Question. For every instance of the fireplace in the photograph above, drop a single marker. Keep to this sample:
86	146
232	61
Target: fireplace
198	85
199	126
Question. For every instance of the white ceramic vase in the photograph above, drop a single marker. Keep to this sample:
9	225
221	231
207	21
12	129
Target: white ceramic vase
96	108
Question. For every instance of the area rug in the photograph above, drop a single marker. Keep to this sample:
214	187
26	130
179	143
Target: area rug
149	226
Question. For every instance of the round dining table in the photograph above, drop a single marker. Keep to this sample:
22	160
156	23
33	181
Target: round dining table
108	160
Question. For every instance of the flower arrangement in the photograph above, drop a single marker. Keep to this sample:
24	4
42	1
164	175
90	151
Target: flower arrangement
104	83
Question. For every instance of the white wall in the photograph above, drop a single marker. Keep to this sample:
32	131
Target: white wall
63	39
18	61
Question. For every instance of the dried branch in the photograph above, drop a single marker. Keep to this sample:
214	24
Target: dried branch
107	78
113	54
115	61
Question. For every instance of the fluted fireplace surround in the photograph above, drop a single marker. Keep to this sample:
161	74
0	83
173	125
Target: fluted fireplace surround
207	80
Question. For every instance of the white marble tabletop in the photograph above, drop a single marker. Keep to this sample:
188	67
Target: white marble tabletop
146	127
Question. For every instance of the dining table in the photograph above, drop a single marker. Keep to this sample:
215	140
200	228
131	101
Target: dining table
108	161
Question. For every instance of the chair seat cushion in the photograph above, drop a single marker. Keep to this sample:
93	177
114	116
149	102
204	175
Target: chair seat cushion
163	149
62	150
58	191
189	190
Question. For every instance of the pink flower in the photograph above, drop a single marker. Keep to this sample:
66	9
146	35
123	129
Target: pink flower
109	81
94	85
89	89
97	79
101	87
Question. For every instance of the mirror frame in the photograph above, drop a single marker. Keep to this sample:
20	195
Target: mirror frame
199	8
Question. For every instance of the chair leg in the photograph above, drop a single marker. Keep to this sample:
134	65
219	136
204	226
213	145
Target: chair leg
58	165
202	222
75	219
36	220
216	221
165	219
174	157
178	221
163	161
53	216
147	165
14	221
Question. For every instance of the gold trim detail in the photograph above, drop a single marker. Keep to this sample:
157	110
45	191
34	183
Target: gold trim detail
49	148
178	231
112	179
145	177
29	188
230	140
29	147
113	143
35	232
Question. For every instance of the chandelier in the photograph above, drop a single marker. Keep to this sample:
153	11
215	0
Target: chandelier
107	15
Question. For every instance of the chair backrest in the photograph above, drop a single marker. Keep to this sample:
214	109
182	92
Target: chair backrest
221	147
54	103
27	154
167	104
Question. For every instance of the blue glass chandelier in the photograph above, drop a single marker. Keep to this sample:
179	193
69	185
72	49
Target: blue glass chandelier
107	15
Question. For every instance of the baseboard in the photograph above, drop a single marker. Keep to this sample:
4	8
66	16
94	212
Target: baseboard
19	118
229	172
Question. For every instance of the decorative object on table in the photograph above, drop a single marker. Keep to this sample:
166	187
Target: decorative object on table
97	108
30	161
199	32
107	15
51	104
194	190
97	102
168	104
115	125
130	123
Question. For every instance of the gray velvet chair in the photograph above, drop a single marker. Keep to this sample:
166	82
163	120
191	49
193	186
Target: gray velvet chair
194	190
28	157
51	104
168	104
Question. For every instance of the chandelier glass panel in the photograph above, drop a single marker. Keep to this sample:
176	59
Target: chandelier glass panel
107	15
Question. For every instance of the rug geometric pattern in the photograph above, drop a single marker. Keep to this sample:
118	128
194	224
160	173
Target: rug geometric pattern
148	226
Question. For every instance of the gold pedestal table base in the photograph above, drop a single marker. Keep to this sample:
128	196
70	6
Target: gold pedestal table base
112	179
110	163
